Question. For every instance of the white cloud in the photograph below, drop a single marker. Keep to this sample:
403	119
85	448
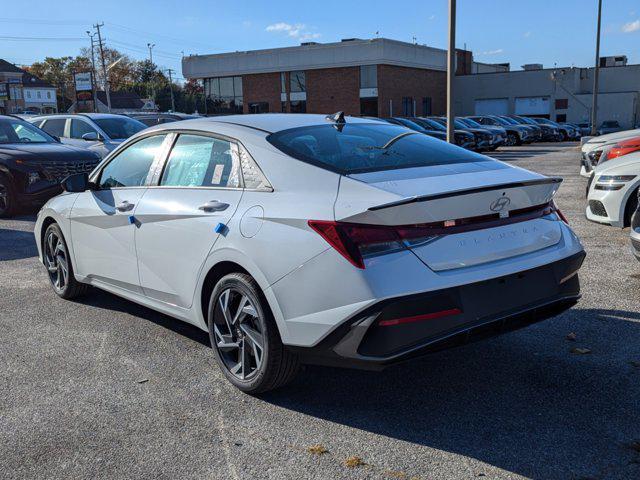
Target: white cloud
631	27
493	52
526	34
299	31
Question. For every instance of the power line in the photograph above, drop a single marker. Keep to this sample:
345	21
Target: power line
181	41
48	39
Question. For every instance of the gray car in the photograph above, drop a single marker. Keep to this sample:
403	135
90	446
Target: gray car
100	132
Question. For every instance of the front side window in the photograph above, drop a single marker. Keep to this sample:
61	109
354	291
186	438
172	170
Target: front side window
363	147
119	128
79	128
131	167
199	161
55	126
298	82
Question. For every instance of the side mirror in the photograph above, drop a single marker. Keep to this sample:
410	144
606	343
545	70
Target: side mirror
76	183
57	139
91	136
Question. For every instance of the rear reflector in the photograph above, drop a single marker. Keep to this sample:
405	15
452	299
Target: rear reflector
419	318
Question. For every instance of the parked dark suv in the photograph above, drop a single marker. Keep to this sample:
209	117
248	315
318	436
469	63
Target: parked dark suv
32	164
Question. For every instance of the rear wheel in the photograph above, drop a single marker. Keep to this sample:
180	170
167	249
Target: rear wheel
630	208
245	338
56	259
7	197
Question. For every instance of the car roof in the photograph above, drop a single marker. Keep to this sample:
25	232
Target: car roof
266	122
88	115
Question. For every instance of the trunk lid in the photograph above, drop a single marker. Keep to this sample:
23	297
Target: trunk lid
457	194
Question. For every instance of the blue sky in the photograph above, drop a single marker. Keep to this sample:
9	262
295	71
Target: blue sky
524	31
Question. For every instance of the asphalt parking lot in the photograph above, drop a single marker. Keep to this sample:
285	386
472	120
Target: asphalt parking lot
103	388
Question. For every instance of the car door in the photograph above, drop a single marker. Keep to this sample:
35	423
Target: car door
195	194
103	219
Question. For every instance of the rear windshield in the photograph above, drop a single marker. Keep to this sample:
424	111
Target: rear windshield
367	147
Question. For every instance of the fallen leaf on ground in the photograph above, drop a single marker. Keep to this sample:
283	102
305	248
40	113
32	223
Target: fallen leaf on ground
571	337
317	450
353	462
580	350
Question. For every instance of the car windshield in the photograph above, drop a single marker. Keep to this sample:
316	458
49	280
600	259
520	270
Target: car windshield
509	120
609	124
365	147
458	124
119	128
501	121
18	131
428	123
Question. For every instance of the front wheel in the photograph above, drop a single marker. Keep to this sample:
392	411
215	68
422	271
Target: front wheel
58	263
245	338
512	139
7	197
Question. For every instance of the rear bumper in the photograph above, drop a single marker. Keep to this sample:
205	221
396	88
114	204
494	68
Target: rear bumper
476	311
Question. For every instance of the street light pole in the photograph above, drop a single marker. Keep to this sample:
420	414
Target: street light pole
173	103
153	90
104	67
596	74
451	66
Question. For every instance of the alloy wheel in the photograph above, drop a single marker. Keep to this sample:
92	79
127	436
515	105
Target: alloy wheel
239	333
4	198
56	261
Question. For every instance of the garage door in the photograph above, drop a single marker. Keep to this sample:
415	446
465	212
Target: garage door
532	106
492	106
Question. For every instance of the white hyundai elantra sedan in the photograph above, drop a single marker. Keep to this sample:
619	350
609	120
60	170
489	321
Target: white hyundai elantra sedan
310	239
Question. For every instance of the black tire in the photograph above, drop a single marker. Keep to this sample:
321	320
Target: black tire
7	197
630	209
275	365
69	287
564	136
512	139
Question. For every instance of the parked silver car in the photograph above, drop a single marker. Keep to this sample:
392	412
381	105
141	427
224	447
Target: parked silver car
100	132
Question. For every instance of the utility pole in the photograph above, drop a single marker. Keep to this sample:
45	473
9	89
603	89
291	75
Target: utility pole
451	73
153	90
93	73
104	66
173	103
596	73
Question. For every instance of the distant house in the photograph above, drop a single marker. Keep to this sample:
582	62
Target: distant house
39	96
121	102
11	99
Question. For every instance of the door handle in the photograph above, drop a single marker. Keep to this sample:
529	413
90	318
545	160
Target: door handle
213	206
125	206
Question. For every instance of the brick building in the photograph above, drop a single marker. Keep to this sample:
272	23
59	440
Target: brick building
376	77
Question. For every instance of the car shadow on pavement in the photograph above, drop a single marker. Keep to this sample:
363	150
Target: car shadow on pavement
16	244
519	154
522	402
101	299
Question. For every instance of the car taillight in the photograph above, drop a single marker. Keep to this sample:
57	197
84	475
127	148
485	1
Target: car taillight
619	150
555	208
356	242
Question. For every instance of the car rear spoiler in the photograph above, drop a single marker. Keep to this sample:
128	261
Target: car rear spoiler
455	193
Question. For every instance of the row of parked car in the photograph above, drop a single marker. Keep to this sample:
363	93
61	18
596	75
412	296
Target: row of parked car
612	164
487	132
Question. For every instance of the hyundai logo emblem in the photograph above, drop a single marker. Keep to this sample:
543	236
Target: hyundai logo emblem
500	204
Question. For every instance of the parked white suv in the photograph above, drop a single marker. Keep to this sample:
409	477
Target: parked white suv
310	239
101	132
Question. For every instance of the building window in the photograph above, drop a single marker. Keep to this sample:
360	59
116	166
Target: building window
368	76
39	94
299	106
561	117
407	106
562	103
283	106
224	94
259	107
15	92
426	106
297	82
283	82
28	94
369	107
48	94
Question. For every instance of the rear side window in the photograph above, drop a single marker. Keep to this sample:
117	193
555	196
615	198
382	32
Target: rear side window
199	161
131	167
365	147
54	126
